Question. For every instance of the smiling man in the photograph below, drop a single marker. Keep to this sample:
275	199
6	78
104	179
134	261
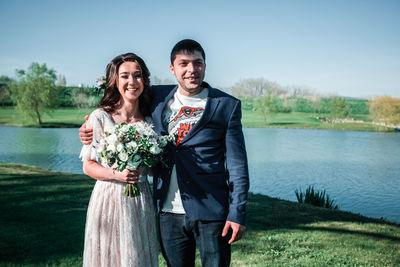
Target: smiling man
202	196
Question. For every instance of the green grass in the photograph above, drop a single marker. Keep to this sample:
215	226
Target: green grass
307	121
43	218
72	117
60	118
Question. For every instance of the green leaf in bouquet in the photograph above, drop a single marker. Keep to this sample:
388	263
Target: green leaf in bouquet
121	166
126	193
149	162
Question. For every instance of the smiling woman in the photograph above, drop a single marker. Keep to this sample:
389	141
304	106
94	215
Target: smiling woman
125	225
119	71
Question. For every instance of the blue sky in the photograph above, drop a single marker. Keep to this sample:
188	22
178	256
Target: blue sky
349	48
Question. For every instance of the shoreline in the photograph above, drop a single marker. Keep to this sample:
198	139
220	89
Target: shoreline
388	129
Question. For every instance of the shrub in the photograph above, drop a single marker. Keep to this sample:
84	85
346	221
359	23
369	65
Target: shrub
316	198
385	109
338	108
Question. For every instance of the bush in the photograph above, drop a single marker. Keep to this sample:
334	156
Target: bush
338	108
303	105
385	109
284	105
315	198
247	102
358	106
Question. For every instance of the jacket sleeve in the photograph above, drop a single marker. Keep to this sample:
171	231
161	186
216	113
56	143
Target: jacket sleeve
236	162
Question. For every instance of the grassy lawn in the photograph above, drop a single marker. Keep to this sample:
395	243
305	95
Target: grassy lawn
62	117
72	117
307	121
43	217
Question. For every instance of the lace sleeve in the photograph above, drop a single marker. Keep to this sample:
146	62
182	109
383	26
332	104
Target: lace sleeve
96	122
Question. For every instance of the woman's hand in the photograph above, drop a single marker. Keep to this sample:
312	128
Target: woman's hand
126	176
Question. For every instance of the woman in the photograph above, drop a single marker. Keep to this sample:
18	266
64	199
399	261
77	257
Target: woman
120	231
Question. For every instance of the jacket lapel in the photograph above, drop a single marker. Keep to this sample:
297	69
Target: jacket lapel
211	106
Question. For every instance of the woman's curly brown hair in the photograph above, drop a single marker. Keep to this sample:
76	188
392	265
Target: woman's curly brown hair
111	96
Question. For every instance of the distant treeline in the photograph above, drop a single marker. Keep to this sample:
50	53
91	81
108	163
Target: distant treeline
313	105
68	96
269	97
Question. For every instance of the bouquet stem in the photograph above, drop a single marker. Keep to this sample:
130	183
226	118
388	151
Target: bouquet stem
132	190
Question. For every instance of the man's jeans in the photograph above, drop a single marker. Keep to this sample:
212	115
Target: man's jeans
179	237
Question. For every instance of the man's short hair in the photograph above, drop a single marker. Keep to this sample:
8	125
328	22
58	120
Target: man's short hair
186	46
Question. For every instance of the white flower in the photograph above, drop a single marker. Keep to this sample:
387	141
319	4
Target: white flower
144	128
120	147
125	128
153	140
111	147
107	161
155	150
120	134
132	147
112	138
123	156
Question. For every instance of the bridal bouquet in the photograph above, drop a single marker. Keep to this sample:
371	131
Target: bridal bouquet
130	146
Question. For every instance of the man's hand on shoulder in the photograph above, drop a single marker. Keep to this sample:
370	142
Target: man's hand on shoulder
85	134
237	231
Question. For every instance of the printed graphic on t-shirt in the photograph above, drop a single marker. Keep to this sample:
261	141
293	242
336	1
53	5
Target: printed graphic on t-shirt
183	122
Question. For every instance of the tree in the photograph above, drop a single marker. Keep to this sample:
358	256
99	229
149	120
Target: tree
386	109
256	87
267	105
299	91
338	107
34	92
5	90
317	105
302	105
284	105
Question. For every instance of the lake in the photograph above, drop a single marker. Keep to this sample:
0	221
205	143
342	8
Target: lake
360	170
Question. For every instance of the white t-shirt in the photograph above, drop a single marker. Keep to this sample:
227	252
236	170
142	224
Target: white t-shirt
179	116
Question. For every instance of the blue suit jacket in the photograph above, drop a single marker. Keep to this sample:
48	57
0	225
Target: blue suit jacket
211	161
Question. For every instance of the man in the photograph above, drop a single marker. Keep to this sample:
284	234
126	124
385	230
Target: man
201	197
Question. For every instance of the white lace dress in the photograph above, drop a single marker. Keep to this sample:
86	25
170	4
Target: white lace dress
120	231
